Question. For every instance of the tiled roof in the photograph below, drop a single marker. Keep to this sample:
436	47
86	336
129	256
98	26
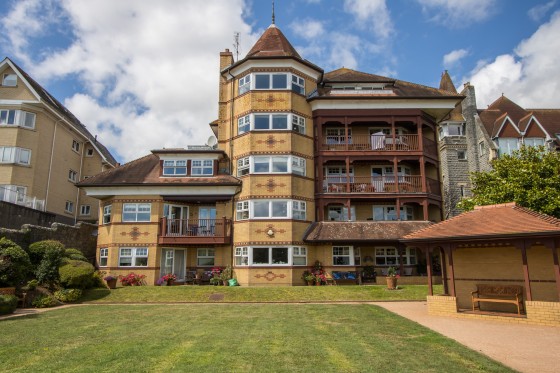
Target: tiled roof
446	84
146	171
506	219
335	231
55	104
505	105
273	43
345	75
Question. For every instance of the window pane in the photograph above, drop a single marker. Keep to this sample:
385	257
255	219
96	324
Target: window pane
279	255
125	262
261	122
279	164
261	164
260	255
280	81
260	209
300	261
280	209
279	122
262	81
205	261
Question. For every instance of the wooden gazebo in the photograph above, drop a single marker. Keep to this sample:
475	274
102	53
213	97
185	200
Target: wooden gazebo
500	245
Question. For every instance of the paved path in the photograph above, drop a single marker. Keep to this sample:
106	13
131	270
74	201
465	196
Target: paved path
527	348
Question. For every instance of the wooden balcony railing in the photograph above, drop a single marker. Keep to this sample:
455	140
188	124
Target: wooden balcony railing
194	231
378	184
371	143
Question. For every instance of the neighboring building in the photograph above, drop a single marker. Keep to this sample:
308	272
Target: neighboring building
45	150
332	167
469	139
167	212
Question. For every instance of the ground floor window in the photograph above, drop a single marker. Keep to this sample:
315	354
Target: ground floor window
274	256
346	255
389	256
103	257
133	257
205	257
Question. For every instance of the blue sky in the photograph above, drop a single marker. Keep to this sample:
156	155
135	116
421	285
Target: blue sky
144	74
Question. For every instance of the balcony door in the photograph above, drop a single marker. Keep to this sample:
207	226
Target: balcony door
173	261
176	219
206	220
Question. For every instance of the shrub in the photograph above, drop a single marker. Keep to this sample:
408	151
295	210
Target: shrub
31	285
47	271
8	304
38	249
14	263
77	274
75	254
44	301
68	295
132	279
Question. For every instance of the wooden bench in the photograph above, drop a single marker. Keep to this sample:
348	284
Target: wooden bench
498	294
347	276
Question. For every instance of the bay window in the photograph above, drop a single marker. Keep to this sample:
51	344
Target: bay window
244	84
269	121
271	209
136	212
17	118
265	81
241	256
281	164
270	256
133	257
243	166
242	210
12	154
244	124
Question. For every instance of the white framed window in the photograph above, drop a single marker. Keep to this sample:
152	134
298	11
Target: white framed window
271	81
299	256
175	167
13	193
103	256
9	80
451	129
12	154
242	210
389	256
205	257
508	145
72	176
298	84
340	213
298	210
298	166
244	124
85	210
243	166
338	135
298	123
381	213
202	167
462	155
533	141
69	206
244	84
270	122
270	164
270	255
89	152
343	255
136	212
241	256
17	118
133	257
337	174
75	146
107	214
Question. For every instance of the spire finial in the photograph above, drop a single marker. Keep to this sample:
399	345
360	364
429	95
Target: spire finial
273	12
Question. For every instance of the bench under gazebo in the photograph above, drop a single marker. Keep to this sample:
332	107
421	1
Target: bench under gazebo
498	260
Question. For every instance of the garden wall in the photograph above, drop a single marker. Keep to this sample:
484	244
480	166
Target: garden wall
13	216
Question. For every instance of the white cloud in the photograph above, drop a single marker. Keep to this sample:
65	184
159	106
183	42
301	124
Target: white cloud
529	75
151	80
453	57
308	28
371	14
458	13
537	12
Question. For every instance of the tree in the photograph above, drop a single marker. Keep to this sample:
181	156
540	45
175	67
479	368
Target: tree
529	177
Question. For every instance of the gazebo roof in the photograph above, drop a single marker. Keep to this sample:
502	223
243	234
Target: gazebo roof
493	221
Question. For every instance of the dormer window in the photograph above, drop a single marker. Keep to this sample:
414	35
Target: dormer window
9	80
175	168
451	129
202	167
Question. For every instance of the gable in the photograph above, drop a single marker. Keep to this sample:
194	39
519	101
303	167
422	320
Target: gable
20	92
534	130
508	129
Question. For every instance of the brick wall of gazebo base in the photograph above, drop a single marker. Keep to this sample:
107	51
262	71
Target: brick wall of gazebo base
539	313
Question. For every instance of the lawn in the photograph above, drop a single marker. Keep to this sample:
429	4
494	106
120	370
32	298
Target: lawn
230	338
170	294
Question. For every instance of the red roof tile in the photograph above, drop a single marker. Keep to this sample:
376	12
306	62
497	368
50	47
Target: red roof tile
337	231
273	43
489	221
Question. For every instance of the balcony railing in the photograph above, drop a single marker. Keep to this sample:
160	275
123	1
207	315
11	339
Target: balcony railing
10	195
194	231
371	143
378	184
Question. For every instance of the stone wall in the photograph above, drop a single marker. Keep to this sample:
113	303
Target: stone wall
82	236
13	216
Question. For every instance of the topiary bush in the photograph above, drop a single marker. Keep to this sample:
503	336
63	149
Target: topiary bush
68	295
75	254
14	263
44	301
77	274
37	250
8	304
47	272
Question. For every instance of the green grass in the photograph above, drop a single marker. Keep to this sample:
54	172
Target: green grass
230	338
170	294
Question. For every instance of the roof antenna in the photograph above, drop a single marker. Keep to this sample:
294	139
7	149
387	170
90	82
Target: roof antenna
236	45
273	12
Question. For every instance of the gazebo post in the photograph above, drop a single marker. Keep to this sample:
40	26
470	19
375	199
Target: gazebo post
449	249
443	271
526	270
553	244
429	270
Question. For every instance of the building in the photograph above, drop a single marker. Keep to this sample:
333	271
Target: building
332	167
470	138
45	150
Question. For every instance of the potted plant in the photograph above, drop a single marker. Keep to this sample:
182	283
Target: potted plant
226	274
167	279
320	278
392	278
215	280
308	277
111	281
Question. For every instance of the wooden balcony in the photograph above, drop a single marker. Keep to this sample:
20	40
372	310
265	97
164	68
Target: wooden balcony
194	231
379	184
375	143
